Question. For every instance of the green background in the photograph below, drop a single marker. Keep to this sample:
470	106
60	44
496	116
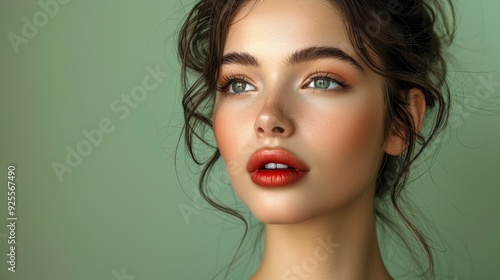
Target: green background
116	215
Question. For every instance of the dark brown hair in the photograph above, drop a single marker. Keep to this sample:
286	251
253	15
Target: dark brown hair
402	41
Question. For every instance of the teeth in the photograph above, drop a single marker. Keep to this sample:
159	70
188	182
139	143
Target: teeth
273	165
270	166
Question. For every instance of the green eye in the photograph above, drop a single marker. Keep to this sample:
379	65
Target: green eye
323	83
240	86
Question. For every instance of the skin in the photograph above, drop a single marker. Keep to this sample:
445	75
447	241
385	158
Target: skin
338	132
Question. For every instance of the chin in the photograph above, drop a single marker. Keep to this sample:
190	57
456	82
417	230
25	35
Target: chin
280	215
281	219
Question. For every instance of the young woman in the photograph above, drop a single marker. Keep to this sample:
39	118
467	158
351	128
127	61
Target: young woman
318	108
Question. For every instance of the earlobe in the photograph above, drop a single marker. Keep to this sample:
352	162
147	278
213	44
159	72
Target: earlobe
395	144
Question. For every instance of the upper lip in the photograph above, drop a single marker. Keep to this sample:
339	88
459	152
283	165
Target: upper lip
277	155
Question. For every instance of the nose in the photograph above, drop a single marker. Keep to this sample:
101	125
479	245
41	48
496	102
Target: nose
273	120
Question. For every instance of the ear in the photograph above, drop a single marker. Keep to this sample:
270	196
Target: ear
395	144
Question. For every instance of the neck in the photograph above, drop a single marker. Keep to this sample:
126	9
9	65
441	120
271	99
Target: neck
340	245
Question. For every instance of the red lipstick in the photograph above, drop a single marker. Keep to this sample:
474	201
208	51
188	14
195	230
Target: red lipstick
275	167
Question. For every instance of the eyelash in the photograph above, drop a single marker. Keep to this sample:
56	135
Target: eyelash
227	79
343	86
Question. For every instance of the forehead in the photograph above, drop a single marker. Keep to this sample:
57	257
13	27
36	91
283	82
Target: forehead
283	24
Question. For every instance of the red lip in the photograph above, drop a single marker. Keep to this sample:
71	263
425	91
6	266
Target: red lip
275	177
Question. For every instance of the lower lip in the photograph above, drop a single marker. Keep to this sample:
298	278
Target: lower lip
276	177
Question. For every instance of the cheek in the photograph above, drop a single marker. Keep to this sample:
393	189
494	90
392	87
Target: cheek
350	144
358	129
222	126
231	138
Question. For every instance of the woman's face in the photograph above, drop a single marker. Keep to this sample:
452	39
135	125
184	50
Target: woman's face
296	84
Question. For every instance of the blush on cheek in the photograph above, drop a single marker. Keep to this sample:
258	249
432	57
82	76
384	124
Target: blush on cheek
354	129
364	140
351	143
364	130
228	134
221	133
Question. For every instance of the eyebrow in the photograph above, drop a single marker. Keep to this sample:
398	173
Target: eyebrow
299	56
242	58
